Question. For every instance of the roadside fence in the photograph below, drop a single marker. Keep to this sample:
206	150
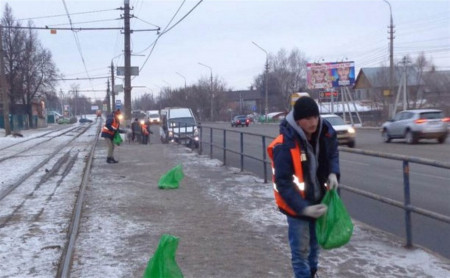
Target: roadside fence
216	140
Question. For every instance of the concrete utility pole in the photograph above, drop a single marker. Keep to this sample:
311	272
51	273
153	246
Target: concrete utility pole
108	100
391	56
113	94
3	88
266	81
127	56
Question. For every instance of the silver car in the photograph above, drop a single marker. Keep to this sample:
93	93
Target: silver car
413	125
345	132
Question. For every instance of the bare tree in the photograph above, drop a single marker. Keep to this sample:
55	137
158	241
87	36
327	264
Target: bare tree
13	47
30	70
287	73
416	92
436	93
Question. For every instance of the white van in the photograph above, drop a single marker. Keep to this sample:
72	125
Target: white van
153	116
178	125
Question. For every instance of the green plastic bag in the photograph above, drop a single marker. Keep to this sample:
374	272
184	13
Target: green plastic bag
172	178
334	228
117	139
163	263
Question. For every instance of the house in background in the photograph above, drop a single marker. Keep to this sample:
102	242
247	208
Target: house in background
372	89
372	84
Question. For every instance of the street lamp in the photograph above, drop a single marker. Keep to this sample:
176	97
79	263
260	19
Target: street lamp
391	55
266	78
183	78
212	93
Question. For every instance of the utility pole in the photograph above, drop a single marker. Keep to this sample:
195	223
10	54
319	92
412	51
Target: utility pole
391	57
266	81
108	100
113	94
3	87
127	56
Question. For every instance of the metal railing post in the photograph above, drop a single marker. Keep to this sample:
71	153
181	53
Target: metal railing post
200	149
224	147
242	151
407	203
264	158
210	142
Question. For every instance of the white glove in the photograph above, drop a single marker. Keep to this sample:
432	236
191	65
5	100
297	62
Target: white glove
315	211
332	181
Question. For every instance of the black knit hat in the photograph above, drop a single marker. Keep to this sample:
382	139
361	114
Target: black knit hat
305	107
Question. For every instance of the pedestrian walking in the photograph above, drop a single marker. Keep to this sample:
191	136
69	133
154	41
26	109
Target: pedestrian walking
305	162
136	131
111	127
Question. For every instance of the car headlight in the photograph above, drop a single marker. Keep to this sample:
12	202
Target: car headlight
351	130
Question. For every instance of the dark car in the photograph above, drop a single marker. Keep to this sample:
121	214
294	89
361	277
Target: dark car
240	120
85	120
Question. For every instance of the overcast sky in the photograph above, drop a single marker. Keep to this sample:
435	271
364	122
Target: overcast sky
219	34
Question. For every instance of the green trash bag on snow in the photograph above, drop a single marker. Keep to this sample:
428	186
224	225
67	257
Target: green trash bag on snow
117	140
172	178
163	263
334	228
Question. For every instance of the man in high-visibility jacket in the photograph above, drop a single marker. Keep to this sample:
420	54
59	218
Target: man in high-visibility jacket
110	128
305	162
145	127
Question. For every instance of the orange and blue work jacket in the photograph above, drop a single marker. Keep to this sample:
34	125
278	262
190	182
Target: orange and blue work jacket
297	176
293	185
111	127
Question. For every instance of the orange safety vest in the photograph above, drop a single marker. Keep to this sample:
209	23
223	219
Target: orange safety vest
115	126
144	129
297	178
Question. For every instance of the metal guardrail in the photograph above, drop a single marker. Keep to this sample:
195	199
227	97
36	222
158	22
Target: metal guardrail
406	205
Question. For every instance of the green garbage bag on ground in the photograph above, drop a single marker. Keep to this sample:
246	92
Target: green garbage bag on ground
163	263
117	139
334	228
172	178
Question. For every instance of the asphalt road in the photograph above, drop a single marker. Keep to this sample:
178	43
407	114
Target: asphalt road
429	185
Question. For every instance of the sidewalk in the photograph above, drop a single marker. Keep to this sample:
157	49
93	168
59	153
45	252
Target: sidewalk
226	221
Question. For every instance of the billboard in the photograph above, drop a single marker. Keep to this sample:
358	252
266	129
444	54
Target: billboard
330	75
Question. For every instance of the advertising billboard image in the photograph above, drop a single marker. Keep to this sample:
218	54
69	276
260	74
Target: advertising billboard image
318	76
330	75
343	74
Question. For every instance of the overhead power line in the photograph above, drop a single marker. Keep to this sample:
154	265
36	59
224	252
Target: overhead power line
84	22
74	28
77	40
167	29
61	15
80	78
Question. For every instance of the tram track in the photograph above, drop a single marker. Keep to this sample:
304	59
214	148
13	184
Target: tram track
44	205
5	191
26	147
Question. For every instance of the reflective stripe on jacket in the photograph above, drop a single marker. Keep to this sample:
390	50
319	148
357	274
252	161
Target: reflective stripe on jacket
297	178
114	127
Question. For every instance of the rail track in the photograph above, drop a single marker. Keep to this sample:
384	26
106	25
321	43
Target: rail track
41	195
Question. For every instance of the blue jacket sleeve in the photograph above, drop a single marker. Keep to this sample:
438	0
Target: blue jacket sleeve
284	171
333	152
